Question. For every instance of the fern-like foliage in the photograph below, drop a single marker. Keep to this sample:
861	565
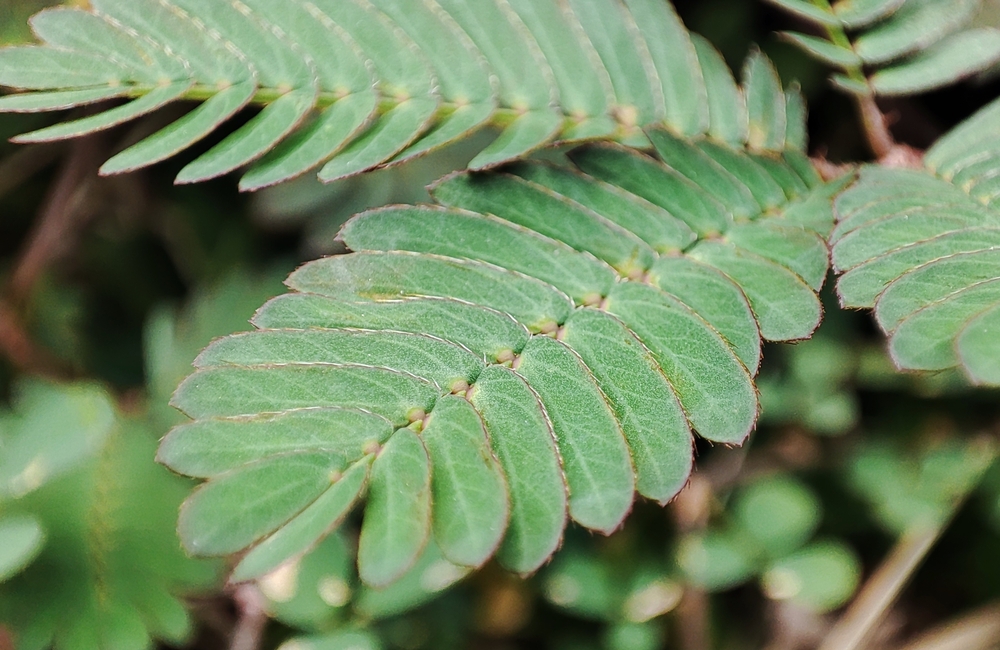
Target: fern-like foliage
922	247
896	47
355	84
86	557
536	346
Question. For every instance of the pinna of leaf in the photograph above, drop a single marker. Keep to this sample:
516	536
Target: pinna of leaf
535	347
345	86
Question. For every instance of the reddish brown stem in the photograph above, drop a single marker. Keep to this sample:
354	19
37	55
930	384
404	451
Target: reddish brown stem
56	224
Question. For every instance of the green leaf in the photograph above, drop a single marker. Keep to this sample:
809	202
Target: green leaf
395	275
148	103
861	13
822	576
698	167
613	34
595	458
57	100
110	565
716	299
716	561
486	332
245	504
438	361
977	348
551	337
657	183
529	205
398	517
765	104
824	50
643	400
354	86
727	108
469	490
32	67
905	47
946	62
917	25
673	55
713	386
314	144
179	135
21	539
779	513
651	223
522	437
785	307
461	234
308	527
212	447
280	388
808	11
76	420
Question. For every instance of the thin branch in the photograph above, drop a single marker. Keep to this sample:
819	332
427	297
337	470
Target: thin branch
21	351
52	235
882	588
978	630
25	162
54	229
876	128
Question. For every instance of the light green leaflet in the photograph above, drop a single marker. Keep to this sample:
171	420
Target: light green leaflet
954	58
277	388
716	298
484	331
903	46
346	86
522	437
645	404
537	348
651	223
207	448
933	282
393	275
714	388
430	358
765	104
727	109
398	517
527	204
684	95
595	458
214	520
457	233
21	539
308	527
469	492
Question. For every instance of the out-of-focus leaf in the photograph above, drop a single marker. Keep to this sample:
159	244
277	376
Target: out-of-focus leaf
821	576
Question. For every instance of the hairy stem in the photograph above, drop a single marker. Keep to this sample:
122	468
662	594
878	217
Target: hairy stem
877	133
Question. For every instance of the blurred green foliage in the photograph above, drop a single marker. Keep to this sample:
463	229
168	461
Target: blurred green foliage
850	454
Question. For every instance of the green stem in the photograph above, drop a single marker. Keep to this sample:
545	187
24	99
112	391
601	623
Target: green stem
501	117
877	133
